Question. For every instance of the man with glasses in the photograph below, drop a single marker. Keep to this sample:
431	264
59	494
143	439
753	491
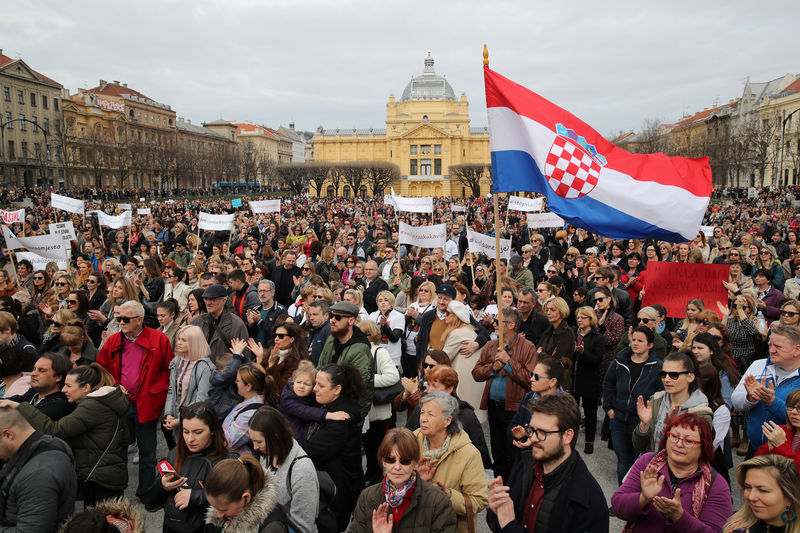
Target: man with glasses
284	275
389	256
181	257
506	371
138	358
348	344
219	326
763	389
371	285
261	320
551	488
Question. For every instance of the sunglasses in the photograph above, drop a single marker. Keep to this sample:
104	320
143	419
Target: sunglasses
338	317
60	284
427	366
38	278
391	460
126	319
90	281
672	375
57	324
72	302
789	313
537	377
281	335
645	320
702	322
187	411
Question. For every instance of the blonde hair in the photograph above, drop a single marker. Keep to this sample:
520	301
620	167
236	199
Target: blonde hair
197	346
387	295
370	329
588	312
356	295
305	368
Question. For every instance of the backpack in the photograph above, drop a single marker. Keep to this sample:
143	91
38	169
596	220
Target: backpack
326	518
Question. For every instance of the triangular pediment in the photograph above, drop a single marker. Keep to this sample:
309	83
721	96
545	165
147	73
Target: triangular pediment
20	69
425	130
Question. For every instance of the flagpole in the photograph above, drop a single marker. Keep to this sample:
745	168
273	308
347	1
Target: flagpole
500	344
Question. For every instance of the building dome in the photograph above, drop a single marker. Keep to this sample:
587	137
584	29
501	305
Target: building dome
429	86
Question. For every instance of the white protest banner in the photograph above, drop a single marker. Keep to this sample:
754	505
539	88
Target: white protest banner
387	200
39	262
65	229
114	222
708	231
518	203
424	236
480	243
265	206
143	211
65	203
141	199
215	222
50	246
458	208
544	220
13	217
414	205
125	207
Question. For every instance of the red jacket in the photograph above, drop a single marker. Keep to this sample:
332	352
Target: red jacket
153	375
784	449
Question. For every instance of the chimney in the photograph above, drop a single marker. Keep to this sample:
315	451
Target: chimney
124	84
116	82
291	126
189	121
103	84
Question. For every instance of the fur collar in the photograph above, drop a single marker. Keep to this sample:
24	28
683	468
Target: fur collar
122	508
251	518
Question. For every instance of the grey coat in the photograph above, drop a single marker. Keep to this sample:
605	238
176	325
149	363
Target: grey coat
39	484
199	384
301	506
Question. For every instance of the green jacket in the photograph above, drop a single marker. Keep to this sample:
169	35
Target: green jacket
429	511
94	425
524	277
355	351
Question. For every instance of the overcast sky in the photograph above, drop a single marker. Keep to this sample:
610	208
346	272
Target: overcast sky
335	63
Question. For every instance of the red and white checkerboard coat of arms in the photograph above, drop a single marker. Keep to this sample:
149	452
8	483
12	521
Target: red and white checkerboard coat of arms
571	170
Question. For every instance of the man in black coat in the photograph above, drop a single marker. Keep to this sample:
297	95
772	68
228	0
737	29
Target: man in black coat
372	285
563	495
285	277
47	380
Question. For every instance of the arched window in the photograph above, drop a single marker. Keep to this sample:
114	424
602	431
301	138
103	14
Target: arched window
424	118
363	191
331	191
346	191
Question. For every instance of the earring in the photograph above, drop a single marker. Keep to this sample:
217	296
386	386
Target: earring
789	516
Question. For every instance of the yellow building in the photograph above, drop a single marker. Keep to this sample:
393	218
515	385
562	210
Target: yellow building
427	131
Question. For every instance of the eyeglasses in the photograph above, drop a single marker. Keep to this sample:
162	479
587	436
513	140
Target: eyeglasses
90	281
552	272
689	443
764	252
601	298
281	335
426	366
57	324
38	278
789	313
537	377
126	319
724	248
306	269
349	261
702	322
405	461
793	408
541	290
539	434
673	375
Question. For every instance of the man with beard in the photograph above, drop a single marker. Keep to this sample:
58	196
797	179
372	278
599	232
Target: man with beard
550	488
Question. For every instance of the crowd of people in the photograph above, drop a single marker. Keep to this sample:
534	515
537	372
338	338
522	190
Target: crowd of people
307	371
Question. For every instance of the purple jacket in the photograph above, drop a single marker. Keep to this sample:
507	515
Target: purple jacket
773	299
299	413
716	510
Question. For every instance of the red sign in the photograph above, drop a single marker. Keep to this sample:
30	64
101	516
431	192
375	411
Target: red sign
674	284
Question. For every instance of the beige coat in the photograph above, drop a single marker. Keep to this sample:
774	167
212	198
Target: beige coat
468	389
460	469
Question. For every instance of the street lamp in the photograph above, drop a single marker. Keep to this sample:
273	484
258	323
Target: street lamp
783	129
3	126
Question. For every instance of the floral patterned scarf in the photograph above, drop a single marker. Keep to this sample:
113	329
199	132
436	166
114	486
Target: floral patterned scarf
394	497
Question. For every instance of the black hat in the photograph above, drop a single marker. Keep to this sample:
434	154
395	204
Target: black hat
447	290
215	291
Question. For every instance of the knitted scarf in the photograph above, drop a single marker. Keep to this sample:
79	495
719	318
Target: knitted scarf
700	489
394	497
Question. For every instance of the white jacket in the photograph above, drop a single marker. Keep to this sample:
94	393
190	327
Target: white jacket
386	375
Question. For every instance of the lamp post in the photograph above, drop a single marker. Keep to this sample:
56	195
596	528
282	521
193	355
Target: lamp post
3	126
783	130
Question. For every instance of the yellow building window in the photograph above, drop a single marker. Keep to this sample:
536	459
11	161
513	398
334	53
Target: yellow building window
437	149
413	149
413	169
425	167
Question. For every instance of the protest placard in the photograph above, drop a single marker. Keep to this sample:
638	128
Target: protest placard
674	284
544	220
413	205
39	262
708	231
13	217
143	211
125	207
265	206
236	202
114	222
65	229
50	246
215	222
518	203
480	243
387	200
65	203
424	236
458	208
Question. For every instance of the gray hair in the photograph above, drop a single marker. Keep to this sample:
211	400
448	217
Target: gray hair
513	312
135	306
449	407
525	291
268	282
649	312
790	332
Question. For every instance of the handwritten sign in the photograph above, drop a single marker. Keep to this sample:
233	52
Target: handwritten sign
674	284
65	229
13	217
480	243
423	236
265	206
545	220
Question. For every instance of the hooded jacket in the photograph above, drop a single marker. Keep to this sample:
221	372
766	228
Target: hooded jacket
262	515
355	351
37	485
697	404
620	394
95	425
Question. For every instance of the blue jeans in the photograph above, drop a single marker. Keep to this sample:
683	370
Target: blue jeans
623	447
145	433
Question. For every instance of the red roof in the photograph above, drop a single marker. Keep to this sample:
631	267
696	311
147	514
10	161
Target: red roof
113	89
794	86
249	127
5	60
701	115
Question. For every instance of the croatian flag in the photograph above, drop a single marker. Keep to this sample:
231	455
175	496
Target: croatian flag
537	146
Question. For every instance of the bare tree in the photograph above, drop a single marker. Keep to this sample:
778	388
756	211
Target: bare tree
469	175
380	175
317	175
354	174
293	175
760	138
653	138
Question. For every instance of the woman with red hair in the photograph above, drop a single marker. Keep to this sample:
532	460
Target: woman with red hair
677	485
